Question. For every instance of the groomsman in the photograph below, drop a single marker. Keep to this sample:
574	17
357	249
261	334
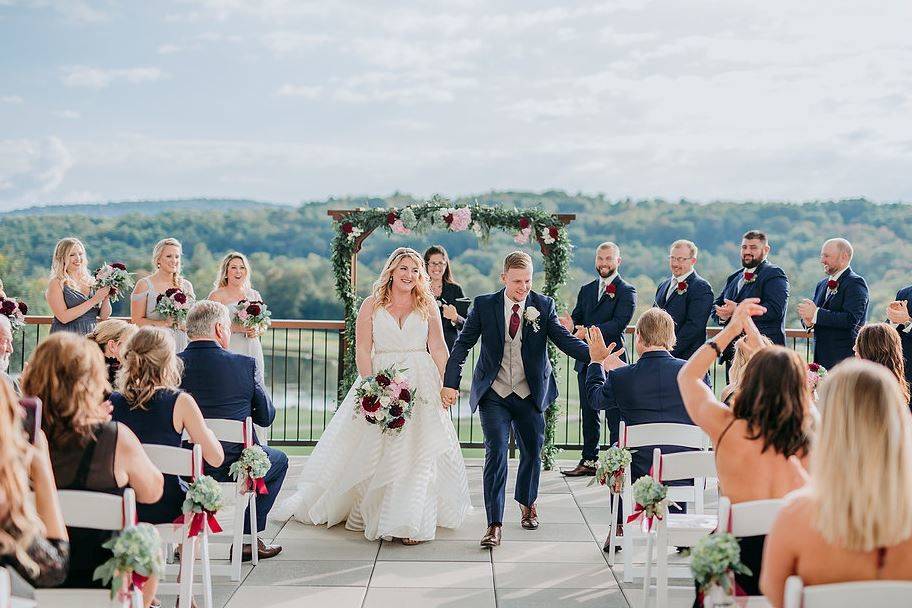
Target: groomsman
757	278
898	314
839	308
687	297
608	304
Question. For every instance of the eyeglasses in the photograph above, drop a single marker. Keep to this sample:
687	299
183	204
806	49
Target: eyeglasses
437	264
672	258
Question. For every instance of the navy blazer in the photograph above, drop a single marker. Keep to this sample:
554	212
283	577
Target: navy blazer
610	315
224	386
839	318
486	321
770	285
690	312
643	393
906	336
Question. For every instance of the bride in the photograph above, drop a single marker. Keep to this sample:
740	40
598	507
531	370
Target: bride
400	486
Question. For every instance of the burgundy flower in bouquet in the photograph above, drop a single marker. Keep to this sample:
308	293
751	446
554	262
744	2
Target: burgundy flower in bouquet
15	310
253	315
385	399
174	304
815	373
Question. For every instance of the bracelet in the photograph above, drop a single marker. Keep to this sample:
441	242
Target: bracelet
712	344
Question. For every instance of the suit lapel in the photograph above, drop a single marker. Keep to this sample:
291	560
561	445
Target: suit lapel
661	300
600	296
499	320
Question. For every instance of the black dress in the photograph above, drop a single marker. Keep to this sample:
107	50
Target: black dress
155	424
89	467
448	295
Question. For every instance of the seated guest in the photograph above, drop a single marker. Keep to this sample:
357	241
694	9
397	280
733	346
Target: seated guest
745	348
6	352
644	392
33	538
224	385
853	522
150	403
88	451
760	441
880	343
110	335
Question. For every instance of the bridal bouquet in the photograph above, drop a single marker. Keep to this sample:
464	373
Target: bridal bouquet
137	557
253	314
611	467
815	373
174	304
203	501
116	277
651	501
15	310
385	399
714	560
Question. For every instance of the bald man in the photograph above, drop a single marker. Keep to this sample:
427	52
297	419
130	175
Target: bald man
839	308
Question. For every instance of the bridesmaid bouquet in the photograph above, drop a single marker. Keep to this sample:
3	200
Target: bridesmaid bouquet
174	304
115	276
611	467
15	310
815	373
385	399
137	557
253	314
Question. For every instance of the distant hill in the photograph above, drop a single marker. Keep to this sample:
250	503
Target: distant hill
150	207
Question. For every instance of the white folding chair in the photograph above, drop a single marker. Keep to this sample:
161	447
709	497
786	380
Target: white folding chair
97	511
185	463
6	591
870	594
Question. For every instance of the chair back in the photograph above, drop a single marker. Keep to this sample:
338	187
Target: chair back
232	431
682	465
6	591
661	433
751	518
870	594
176	461
97	510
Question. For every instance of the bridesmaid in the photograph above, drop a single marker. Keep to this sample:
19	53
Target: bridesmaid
231	286
76	307
166	257
446	290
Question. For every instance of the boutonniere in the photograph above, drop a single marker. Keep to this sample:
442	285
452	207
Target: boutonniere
611	290
682	288
750	277
531	316
832	285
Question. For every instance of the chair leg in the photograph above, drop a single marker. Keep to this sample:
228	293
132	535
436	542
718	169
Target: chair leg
647	575
612	529
662	567
207	569
237	541
188	556
627	541
254	545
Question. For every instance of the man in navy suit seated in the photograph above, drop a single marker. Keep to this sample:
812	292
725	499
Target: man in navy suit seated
644	392
898	314
687	297
224	386
839	307
757	278
607	303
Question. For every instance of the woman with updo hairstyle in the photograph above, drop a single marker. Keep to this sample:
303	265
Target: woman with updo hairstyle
71	293
166	259
149	401
110	335
880	343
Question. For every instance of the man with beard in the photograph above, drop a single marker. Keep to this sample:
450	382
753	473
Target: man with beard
839	307
687	297
757	278
607	303
6	351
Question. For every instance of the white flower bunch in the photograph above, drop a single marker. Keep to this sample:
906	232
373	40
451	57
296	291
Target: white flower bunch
253	463
204	494
137	551
714	559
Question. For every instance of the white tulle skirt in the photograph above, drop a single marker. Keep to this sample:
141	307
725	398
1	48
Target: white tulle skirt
387	486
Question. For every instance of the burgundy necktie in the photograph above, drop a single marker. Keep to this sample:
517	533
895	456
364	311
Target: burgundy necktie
514	321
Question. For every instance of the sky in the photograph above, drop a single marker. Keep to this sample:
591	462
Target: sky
293	100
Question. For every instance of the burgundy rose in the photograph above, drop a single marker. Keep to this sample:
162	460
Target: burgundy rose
382	380
170	292
369	403
253	310
7	307
180	297
814	367
405	395
23	308
347	228
396	423
159	298
748	276
448	218
396	411
553	232
611	289
831	284
119	265
524	223
391	218
682	286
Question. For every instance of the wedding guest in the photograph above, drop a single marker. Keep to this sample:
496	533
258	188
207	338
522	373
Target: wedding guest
880	343
446	290
73	301
231	286
898	314
839	308
166	258
757	278
33	538
88	451
110	335
149	401
765	432
224	385
745	348
6	353
687	297
853	522
607	303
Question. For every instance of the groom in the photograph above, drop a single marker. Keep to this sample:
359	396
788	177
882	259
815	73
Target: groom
512	384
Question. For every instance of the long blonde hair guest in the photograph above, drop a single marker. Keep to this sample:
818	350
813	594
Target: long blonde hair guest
60	270
222	279
149	363
422	299
157	251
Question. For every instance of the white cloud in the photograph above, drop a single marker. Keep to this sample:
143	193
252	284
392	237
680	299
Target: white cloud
11	99
283	42
100	78
169	49
74	11
67	114
31	169
307	92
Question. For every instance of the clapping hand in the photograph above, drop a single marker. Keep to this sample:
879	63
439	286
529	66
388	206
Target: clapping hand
750	307
726	310
581	332
597	349
806	310
898	312
613	359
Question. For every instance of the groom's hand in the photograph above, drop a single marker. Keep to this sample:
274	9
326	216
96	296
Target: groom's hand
448	396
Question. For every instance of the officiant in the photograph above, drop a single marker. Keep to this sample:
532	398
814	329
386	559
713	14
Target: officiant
454	306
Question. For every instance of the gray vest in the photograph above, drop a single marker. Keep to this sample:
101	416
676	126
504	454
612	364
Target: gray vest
511	377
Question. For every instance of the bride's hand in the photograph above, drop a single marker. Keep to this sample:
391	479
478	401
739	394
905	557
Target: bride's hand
448	396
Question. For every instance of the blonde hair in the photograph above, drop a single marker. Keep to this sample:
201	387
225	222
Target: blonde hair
611	246
861	464
59	263
517	259
149	363
655	327
157	251
691	246
19	521
68	373
111	329
222	279
422	298
742	358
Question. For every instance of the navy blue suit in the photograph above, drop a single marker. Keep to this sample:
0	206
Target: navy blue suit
526	416
906	294
224	386
839	318
690	312
611	316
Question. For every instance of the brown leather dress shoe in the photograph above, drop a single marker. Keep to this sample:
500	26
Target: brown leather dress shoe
529	520
583	469
264	551
491	538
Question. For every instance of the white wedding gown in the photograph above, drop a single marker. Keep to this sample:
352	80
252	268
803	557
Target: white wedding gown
388	486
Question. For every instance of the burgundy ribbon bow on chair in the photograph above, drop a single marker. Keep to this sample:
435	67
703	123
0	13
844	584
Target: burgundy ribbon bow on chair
197	520
256	484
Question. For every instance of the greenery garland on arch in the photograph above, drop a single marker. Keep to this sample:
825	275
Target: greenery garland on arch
527	225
